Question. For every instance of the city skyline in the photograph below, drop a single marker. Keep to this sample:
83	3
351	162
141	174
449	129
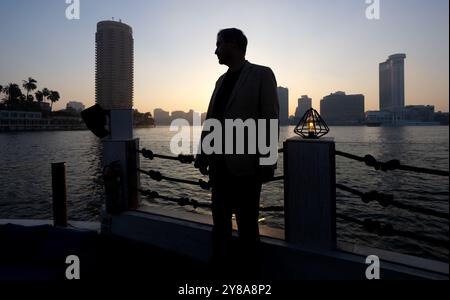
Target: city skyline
175	65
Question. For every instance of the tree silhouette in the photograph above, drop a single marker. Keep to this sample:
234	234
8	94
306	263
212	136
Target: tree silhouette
15	99
53	97
39	96
45	93
14	94
29	85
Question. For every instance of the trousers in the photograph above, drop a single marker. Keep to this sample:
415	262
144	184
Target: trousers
238	195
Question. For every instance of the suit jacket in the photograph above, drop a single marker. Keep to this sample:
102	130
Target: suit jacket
253	97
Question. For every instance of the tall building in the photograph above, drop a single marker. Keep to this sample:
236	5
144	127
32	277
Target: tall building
342	109
77	106
304	104
114	65
392	86
283	99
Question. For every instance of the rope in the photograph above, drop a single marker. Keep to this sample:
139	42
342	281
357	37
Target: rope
391	165
386	200
184	159
381	230
155	175
184	201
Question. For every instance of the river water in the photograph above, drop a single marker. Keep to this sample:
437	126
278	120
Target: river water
25	179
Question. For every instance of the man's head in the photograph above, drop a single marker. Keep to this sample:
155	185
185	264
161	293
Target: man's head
231	45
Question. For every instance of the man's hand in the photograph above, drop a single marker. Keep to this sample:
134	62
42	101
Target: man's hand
201	163
266	173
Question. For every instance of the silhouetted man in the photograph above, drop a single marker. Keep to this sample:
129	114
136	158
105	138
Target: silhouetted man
245	91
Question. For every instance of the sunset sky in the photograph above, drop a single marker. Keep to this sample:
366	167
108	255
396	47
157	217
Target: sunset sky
315	47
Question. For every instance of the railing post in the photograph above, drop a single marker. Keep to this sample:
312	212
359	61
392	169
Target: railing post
120	149
310	192
59	194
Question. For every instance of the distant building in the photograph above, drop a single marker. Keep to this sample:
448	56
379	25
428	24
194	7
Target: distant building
376	117
30	121
283	98
178	115
392	86
304	104
188	116
414	115
22	120
441	117
77	106
161	117
342	109
422	113
114	65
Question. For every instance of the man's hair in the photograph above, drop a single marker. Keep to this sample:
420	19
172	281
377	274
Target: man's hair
234	35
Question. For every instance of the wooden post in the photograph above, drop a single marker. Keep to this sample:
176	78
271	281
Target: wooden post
59	194
310	192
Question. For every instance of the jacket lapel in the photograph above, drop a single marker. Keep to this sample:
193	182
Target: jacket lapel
239	83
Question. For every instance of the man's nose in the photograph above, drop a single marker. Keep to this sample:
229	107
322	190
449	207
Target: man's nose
215	52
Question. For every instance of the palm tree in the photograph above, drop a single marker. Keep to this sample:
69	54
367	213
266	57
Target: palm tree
1	91
53	97
14	93
39	96
29	85
45	93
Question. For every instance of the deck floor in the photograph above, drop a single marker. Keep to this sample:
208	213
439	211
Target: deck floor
39	253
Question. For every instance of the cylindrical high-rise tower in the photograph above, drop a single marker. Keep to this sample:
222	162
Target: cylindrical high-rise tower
114	65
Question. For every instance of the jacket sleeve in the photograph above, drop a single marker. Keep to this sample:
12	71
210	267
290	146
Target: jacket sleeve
269	106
